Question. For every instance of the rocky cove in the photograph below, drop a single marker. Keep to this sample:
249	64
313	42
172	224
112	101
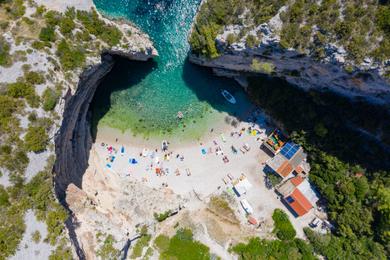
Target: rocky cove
73	141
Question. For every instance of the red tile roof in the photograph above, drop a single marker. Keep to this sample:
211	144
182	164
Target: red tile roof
296	180
300	205
285	169
299	169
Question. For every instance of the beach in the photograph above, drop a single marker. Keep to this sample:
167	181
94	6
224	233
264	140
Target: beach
198	169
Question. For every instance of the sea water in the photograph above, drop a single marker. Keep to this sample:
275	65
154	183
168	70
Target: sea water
146	98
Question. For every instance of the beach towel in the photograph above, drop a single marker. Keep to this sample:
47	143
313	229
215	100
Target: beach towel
134	161
123	150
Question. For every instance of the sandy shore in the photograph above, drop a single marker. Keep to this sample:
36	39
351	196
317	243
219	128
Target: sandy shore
198	167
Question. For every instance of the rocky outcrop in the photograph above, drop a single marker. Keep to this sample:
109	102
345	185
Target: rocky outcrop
303	72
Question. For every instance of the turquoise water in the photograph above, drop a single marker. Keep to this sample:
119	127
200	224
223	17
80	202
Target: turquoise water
149	103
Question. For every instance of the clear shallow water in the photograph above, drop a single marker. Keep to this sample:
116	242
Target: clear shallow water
145	98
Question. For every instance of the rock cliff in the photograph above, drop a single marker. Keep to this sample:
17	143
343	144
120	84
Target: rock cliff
301	71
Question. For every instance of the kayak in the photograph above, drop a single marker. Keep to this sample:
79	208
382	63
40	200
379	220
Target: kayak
229	97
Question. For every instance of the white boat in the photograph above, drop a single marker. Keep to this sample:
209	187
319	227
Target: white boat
229	97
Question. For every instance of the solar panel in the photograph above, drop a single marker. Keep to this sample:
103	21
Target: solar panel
289	150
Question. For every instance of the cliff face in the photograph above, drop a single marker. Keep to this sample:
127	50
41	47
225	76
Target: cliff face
73	140
301	71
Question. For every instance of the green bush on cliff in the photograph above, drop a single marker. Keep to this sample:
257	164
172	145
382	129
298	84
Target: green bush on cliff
50	98
47	34
5	58
36	139
94	25
70	57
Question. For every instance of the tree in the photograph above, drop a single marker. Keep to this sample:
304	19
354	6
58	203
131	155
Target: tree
283	229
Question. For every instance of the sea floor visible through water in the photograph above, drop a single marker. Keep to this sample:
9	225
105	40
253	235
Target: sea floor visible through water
143	99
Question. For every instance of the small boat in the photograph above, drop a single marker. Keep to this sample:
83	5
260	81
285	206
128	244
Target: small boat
229	97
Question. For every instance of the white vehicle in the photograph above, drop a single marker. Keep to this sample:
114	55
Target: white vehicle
246	206
229	97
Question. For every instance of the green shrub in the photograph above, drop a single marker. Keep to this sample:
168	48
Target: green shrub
251	41
107	250
52	18
67	25
20	90
50	98
36	236
140	245
5	58
17	8
161	243
36	139
162	216
70	57
183	246
258	248
38	45
47	34
283	229
264	67
34	78
4	197
55	223
231	38
94	25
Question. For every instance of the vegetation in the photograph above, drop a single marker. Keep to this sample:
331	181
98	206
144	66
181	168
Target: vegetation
107	250
215	14
50	99
362	27
70	57
94	25
258	248
264	67
160	217
38	196
36	236
5	59
181	246
140	245
47	34
284	230
350	178
36	139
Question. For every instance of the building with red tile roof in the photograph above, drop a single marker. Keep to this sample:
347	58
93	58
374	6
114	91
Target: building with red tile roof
298	195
